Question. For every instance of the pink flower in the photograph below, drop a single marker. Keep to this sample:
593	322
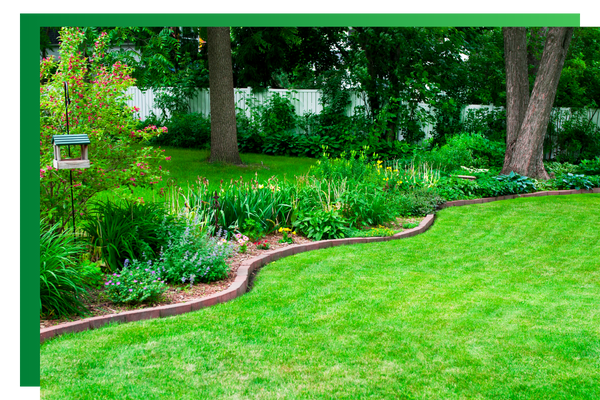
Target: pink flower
168	158
132	179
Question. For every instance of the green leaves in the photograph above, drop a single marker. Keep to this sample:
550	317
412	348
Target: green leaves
319	224
63	281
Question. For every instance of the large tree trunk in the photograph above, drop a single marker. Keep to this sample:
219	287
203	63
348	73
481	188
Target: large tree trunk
517	85
223	130
527	155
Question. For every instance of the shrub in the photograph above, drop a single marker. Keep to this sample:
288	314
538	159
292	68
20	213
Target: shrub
589	167
185	130
556	168
135	283
63	282
418	203
98	108
466	149
126	229
192	256
320	224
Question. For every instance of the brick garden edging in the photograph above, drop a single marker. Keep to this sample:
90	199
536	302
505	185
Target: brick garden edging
240	284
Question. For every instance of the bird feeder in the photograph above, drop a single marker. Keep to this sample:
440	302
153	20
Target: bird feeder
71	140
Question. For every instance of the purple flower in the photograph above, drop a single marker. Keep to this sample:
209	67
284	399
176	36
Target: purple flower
107	283
118	283
131	290
134	281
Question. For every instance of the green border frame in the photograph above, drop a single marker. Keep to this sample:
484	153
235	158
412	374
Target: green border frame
29	151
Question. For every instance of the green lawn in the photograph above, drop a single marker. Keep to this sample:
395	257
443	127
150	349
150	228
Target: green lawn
495	301
186	165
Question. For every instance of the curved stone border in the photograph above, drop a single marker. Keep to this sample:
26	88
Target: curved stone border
240	285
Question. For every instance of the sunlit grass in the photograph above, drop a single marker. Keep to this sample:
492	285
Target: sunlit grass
495	301
186	165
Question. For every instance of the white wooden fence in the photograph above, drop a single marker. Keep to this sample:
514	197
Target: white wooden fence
303	100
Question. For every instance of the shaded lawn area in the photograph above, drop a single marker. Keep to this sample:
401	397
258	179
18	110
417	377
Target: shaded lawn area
186	165
495	301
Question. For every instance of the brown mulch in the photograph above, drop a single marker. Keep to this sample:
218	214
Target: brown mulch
98	305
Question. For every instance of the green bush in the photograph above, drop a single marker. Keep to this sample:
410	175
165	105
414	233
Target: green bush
557	168
418	203
135	283
192	256
126	229
319	224
589	167
466	149
185	130
63	282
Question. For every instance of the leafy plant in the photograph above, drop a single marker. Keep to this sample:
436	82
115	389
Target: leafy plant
418	203
410	225
262	245
287	235
519	184
192	256
63	282
135	283
185	131
126	229
589	167
252	229
319	224
574	181
98	108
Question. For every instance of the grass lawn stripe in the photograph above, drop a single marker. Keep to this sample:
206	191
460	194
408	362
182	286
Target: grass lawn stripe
496	300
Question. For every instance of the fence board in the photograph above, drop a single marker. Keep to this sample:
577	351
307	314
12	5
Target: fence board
304	101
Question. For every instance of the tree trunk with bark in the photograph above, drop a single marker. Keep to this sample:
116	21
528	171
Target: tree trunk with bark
223	135
527	154
517	85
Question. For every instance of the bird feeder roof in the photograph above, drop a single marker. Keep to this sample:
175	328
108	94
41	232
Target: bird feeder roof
63	140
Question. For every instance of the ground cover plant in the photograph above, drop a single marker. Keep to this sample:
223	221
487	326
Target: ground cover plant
495	300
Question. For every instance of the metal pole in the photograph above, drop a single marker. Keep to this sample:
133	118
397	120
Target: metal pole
69	150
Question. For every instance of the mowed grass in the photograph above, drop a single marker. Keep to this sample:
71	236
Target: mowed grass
186	165
494	301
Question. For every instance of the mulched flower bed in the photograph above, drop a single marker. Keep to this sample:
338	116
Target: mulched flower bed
98	305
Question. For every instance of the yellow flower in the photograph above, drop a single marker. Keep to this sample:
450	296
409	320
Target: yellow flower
280	230
293	232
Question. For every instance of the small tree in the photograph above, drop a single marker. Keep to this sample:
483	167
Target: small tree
98	108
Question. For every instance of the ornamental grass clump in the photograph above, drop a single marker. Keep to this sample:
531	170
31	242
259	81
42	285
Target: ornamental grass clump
64	283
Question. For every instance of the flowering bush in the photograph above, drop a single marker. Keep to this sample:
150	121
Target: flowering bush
97	108
192	256
135	283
